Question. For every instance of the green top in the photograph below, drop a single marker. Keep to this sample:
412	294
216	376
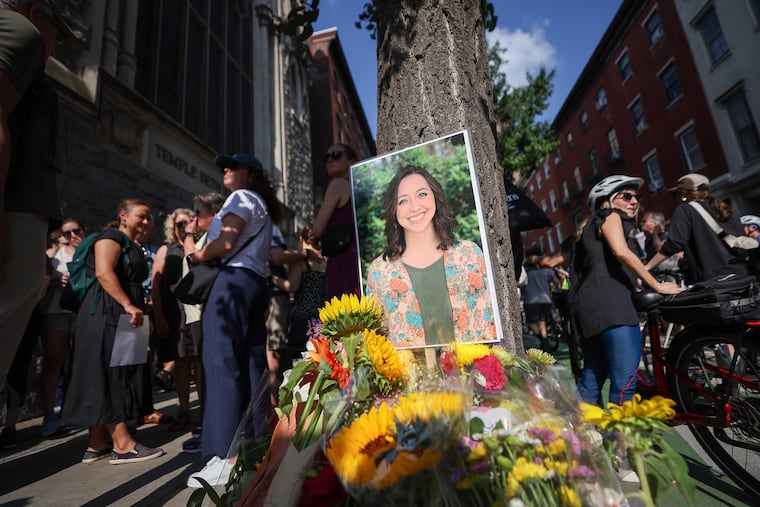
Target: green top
433	297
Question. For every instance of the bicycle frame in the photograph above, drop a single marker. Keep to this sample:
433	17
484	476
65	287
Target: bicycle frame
661	366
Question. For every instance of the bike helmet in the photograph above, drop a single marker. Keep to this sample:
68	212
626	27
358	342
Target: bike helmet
602	191
751	220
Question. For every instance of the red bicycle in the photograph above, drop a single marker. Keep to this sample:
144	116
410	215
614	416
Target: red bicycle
713	374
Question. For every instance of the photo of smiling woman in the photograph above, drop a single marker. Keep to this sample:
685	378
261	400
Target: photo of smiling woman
433	287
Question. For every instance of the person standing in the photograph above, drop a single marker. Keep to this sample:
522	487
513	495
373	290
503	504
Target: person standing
29	33
537	298
604	275
705	253
100	396
233	352
337	212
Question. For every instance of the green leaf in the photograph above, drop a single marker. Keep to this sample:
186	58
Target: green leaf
196	498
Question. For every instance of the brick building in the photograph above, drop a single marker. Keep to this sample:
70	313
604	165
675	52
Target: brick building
638	108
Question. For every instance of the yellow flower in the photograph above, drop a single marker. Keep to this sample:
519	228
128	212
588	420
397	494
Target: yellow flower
540	357
409	364
428	406
467	353
558	467
523	471
341	317
594	414
656	407
355	449
404	464
383	355
568	497
477	453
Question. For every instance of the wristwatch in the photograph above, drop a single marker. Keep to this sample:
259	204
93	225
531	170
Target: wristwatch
186	234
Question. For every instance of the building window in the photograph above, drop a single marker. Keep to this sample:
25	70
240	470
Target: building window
543	205
547	170
624	66
557	157
565	190
542	243
712	34
592	161
637	113
601	99
656	182
550	240
653	28
558	228
553	199
532	191
670	83
584	121
539	181
578	178
744	126
614	144
569	138
195	63
691	150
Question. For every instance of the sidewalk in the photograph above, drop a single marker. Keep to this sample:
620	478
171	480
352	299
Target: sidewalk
48	472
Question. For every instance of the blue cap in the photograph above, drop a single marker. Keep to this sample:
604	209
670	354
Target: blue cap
246	159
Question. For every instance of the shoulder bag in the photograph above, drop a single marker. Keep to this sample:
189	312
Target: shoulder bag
733	242
334	241
195	287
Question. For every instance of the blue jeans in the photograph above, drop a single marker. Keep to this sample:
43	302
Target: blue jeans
233	354
615	352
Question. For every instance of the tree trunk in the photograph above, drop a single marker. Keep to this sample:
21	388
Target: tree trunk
433	79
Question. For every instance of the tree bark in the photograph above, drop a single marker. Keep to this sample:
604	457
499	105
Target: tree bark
433	80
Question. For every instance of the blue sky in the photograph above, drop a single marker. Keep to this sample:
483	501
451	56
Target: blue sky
559	34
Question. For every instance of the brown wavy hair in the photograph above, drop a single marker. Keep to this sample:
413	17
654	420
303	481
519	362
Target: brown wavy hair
443	221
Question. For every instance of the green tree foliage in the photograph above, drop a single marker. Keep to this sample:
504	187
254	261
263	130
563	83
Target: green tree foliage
523	142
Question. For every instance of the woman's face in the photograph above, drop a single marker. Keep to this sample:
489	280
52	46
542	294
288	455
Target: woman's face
73	233
337	168
627	201
138	221
180	222
415	203
236	177
204	217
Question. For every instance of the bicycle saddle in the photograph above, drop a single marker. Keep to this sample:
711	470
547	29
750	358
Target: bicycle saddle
646	300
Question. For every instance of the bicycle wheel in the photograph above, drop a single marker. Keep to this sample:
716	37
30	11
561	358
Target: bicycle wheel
705	356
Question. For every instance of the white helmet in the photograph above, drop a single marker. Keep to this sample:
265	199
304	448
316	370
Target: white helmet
608	186
751	220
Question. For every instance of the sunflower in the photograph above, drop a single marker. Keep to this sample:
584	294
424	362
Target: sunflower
354	450
467	353
341	317
426	407
384	356
540	358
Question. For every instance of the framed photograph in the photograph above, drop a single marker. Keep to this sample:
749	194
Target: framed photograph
422	245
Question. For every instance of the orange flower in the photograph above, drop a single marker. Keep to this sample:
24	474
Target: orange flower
321	353
321	350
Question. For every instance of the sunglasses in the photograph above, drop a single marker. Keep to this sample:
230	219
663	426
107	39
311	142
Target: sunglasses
67	234
627	196
335	155
181	223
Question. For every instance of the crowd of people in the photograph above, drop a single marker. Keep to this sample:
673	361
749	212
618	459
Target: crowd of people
619	250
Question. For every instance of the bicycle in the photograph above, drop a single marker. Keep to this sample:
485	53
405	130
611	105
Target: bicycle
713	374
670	328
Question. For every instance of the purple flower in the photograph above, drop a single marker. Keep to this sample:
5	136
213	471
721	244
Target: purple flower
313	328
457	475
574	441
582	471
547	436
482	466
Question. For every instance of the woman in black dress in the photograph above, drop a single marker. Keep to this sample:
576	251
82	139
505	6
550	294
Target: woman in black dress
102	397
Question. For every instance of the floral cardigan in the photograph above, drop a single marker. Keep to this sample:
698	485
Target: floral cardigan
472	313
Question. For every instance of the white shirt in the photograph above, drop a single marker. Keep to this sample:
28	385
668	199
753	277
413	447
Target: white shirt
249	206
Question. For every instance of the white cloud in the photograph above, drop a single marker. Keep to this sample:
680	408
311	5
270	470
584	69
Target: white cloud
526	51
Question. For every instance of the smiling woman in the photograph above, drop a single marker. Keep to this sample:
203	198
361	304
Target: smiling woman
432	286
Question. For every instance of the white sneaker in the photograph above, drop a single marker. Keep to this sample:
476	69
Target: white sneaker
216	473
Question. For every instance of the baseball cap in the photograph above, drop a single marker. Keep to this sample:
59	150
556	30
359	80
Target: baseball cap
691	182
246	159
54	9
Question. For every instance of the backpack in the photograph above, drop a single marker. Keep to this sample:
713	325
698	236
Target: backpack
80	278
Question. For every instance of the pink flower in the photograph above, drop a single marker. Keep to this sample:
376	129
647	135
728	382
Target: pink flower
493	372
448	362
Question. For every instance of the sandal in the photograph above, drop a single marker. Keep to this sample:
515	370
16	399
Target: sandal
181	422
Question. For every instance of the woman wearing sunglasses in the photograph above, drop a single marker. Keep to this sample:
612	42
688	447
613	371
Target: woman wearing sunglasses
337	212
57	324
605	272
167	310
